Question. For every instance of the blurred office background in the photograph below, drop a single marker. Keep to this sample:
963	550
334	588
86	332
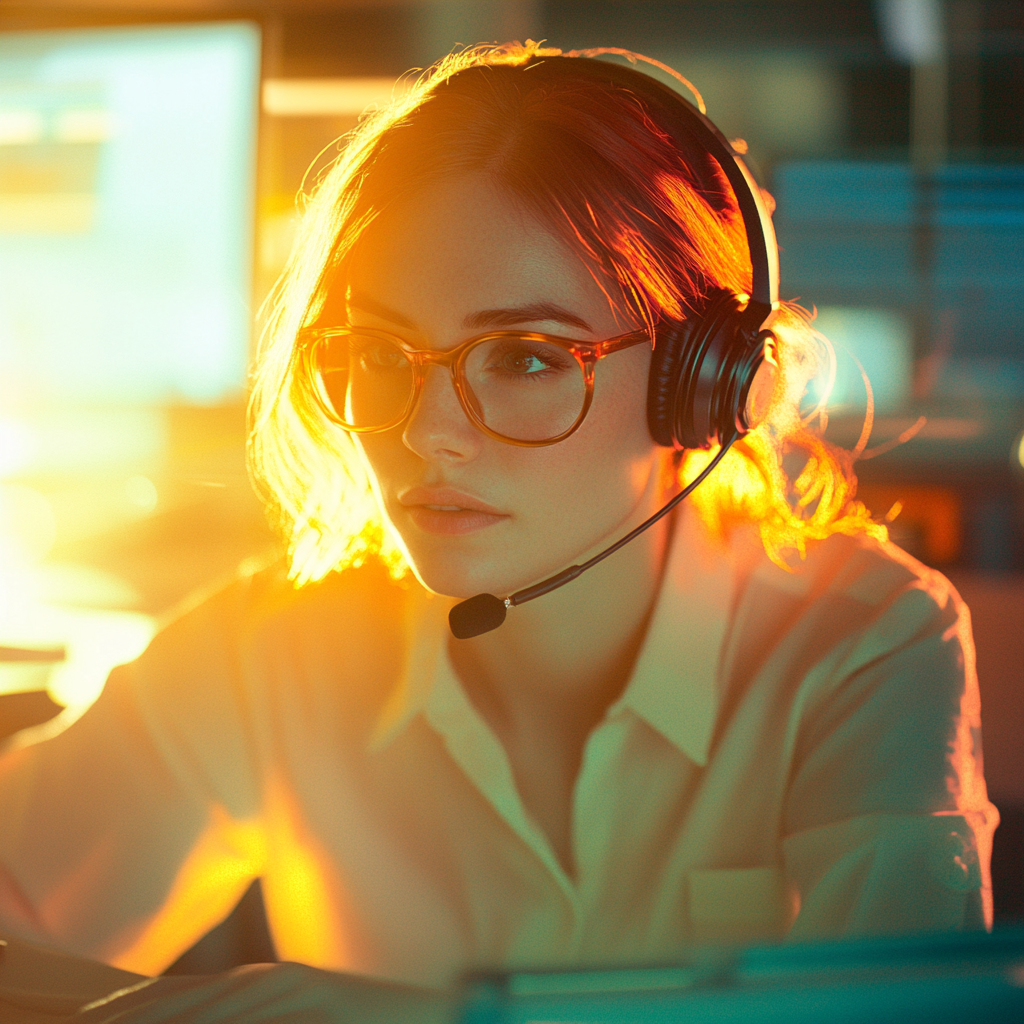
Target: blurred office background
151	152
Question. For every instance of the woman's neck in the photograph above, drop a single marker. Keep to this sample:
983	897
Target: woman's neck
561	660
546	678
579	639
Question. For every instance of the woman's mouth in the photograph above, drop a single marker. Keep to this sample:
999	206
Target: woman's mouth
447	512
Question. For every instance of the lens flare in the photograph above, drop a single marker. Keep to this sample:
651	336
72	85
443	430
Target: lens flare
28	527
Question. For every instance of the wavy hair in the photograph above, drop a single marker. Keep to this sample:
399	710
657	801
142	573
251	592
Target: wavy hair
654	221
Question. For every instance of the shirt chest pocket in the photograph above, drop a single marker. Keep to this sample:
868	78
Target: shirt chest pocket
740	904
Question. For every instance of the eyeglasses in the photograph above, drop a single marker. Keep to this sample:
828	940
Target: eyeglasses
518	387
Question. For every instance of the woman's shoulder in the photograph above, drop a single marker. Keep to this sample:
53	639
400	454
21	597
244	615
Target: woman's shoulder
856	608
261	600
259	625
874	580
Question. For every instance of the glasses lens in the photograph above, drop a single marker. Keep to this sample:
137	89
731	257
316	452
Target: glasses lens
366	380
523	389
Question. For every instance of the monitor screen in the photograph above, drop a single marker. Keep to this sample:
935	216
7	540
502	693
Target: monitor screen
127	163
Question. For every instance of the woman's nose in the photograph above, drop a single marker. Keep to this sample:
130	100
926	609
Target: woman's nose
438	428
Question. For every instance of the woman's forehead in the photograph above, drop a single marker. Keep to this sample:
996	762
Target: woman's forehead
462	247
460	222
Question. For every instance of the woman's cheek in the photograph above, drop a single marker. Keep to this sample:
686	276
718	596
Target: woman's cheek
587	490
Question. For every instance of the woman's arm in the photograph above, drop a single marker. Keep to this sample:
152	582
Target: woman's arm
132	832
35	981
280	993
888	825
38	986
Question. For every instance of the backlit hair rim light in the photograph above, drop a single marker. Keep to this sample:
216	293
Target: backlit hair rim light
648	214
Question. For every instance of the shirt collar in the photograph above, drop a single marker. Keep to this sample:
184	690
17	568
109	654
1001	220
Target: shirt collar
674	685
675	682
426	657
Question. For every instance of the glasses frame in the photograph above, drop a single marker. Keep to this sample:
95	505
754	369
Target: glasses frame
586	353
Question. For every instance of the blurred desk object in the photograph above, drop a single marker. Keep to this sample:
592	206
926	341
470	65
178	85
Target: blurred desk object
57	642
954	491
940	979
39	984
24	673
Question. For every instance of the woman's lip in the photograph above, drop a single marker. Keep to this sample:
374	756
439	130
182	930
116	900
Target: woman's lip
446	499
446	511
451	522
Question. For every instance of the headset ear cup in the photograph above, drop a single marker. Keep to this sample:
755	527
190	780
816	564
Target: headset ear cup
740	379
701	372
682	388
663	383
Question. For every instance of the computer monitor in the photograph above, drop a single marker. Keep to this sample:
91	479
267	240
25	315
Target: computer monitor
127	166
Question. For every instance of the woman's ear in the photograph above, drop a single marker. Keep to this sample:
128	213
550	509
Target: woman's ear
759	398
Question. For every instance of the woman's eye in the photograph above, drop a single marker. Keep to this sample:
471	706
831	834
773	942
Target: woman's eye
524	362
380	356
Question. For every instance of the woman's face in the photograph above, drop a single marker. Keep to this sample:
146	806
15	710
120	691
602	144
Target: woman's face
475	514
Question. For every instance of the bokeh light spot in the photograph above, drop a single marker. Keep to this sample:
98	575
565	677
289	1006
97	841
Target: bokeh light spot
141	493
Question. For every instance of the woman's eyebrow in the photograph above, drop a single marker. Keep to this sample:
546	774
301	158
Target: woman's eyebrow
529	313
483	319
371	306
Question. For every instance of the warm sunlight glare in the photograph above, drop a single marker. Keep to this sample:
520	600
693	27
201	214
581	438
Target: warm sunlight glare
31	616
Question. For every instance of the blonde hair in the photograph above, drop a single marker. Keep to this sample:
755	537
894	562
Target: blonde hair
659	224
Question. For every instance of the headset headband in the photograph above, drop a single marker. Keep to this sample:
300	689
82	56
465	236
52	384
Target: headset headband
757	222
701	368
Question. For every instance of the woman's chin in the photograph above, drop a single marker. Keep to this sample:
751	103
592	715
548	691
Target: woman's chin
459	572
464	577
449	582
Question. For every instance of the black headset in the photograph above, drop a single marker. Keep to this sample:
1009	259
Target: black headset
702	368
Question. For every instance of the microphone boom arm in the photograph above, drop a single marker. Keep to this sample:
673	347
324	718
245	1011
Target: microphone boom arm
485	612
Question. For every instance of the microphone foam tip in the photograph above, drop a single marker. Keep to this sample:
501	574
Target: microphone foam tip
478	615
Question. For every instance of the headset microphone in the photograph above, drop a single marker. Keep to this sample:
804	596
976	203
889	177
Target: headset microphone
702	368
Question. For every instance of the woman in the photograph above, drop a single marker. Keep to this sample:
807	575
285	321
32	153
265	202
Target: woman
757	719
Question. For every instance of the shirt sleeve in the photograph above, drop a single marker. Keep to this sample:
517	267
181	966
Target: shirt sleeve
126	836
888	826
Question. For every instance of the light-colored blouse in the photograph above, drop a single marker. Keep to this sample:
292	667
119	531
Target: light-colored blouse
794	754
